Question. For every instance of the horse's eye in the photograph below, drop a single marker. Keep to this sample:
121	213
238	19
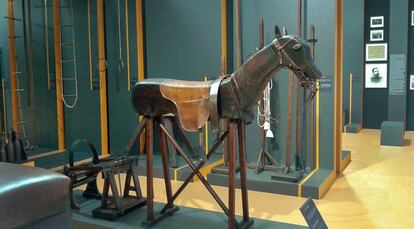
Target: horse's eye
297	47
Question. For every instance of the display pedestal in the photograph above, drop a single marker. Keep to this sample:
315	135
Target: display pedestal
186	217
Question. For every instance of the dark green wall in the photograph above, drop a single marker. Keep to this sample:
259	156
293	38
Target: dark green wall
410	94
382	104
183	41
376	99
353	54
283	14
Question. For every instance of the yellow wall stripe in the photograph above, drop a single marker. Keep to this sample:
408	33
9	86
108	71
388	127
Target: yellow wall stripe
300	185
58	75
351	76
102	77
224	36
90	45
127	44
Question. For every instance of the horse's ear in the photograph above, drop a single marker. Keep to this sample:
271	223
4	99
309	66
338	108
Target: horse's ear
278	34
285	32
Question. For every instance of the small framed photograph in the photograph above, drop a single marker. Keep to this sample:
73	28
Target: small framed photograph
376	75
377	35
377	22
412	82
412	18
377	52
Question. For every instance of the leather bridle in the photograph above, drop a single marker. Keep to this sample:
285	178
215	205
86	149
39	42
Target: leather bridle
303	81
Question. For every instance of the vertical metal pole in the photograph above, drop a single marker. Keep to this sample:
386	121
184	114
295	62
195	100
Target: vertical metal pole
58	74
13	68
238	34
102	77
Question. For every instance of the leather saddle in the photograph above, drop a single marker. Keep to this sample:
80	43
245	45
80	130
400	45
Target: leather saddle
192	100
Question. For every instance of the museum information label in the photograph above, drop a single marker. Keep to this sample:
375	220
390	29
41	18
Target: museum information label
312	215
398	74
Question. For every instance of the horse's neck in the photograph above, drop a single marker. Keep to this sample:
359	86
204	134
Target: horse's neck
252	77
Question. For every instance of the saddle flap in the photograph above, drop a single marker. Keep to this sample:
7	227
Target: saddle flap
192	103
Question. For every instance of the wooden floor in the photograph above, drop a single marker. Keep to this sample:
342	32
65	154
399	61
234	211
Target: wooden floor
375	191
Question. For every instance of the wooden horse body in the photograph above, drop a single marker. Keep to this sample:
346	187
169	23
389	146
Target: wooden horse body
231	97
237	94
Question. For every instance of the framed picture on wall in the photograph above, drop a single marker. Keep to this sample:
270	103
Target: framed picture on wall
412	82
377	52
377	22
412	18
376	75
377	35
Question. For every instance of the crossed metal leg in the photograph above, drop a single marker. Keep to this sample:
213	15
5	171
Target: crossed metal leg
169	209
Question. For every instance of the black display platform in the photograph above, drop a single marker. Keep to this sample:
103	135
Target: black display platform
315	186
184	218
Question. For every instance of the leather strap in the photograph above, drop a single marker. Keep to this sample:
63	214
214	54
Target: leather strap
214	108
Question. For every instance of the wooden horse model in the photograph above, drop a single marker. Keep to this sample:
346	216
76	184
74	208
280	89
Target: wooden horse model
230	97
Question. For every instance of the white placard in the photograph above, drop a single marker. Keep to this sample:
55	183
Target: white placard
377	22
376	75
412	82
412	18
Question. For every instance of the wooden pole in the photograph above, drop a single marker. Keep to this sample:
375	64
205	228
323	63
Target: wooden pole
298	96
140	54
58	75
150	186
232	176
102	64
13	69
243	173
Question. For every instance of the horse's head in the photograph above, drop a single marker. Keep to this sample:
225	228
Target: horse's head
294	54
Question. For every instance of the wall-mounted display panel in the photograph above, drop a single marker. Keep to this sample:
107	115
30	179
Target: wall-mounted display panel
377	52
376	75
377	22
377	35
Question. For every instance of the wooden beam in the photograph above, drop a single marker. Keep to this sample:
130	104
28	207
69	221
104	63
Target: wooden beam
13	69
338	87
58	75
140	53
140	39
102	65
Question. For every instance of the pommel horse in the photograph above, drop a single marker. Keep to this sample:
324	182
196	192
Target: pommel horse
231	97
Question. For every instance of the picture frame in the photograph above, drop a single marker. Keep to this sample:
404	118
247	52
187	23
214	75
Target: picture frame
376	75
377	22
412	82
412	18
377	35
376	52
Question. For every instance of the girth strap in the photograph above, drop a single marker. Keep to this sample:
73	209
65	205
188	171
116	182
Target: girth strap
214	109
